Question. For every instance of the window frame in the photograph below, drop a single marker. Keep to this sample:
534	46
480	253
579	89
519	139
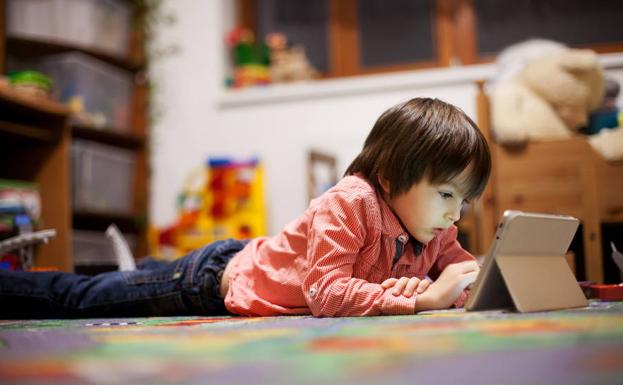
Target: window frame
455	37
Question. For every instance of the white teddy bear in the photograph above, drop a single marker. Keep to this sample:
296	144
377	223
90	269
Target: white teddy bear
546	91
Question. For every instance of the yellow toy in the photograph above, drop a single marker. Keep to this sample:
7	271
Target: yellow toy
223	200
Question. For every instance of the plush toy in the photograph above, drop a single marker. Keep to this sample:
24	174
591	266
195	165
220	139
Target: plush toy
288	63
250	59
546	91
608	115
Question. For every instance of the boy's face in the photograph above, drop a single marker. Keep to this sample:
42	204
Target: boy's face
426	210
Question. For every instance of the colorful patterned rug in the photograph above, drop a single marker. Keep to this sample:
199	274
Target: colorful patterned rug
582	346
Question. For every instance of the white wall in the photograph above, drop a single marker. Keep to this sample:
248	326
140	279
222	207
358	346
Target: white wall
185	89
279	124
283	132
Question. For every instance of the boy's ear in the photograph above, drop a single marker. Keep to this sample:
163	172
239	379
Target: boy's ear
384	184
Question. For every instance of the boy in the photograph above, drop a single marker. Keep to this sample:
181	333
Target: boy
382	241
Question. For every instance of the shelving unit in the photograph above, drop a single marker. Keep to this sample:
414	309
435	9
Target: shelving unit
35	144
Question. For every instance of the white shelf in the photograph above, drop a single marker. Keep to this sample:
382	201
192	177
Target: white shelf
358	85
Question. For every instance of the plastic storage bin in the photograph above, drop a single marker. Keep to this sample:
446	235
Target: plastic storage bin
94	248
98	24
32	18
103	89
103	178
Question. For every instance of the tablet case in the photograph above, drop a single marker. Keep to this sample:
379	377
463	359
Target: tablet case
529	269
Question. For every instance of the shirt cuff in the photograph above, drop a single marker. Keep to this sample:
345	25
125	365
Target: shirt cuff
460	302
398	305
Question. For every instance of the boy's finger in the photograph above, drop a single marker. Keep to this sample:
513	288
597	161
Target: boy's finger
400	285
411	285
388	283
423	286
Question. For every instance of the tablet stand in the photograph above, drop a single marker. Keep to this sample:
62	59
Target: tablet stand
540	282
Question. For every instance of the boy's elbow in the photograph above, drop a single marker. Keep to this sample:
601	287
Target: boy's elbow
326	304
319	302
320	314
320	309
333	301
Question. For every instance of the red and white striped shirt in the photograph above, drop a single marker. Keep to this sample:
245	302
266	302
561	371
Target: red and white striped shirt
332	259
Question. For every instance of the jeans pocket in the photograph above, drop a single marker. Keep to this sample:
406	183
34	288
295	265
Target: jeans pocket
168	273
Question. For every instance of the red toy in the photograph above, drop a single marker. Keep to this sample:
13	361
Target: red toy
613	292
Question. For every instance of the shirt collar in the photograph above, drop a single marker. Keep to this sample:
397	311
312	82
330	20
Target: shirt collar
392	227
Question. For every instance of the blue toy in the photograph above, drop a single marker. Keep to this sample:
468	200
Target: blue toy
608	116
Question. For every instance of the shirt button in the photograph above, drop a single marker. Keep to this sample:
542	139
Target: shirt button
312	291
402	238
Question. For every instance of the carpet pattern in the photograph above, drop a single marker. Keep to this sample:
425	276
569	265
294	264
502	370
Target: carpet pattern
451	347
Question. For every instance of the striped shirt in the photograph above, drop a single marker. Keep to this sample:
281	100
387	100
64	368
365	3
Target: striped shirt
332	260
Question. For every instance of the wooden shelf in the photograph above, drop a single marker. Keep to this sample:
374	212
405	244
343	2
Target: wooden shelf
27	47
10	98
109	136
28	132
99	221
37	150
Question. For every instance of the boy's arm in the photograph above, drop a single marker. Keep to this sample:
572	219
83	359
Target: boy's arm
338	234
451	252
448	287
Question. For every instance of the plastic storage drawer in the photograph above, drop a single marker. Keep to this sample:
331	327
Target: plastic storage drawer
94	248
104	90
103	25
103	178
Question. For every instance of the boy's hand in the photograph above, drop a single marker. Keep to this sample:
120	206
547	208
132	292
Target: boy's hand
406	286
446	289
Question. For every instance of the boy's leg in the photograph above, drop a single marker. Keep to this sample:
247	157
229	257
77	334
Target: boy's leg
188	285
150	263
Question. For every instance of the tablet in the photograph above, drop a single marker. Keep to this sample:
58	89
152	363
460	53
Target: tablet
526	268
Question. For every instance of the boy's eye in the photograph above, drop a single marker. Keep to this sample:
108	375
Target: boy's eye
445	195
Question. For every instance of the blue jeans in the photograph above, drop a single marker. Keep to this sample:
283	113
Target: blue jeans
187	286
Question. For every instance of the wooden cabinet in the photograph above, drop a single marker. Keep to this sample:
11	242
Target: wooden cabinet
35	145
560	177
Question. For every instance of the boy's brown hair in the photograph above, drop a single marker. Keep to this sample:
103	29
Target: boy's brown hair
424	137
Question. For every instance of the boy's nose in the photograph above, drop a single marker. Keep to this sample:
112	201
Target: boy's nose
455	214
